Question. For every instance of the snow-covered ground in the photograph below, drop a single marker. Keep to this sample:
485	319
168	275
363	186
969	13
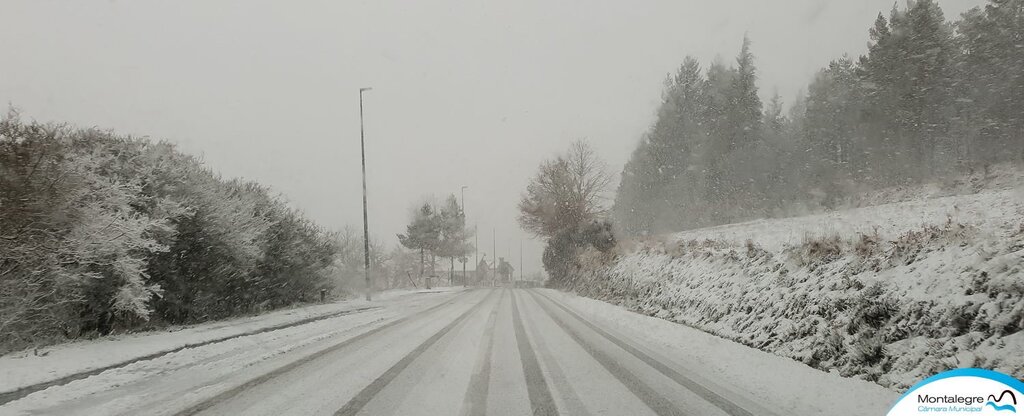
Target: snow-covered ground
735	366
29	367
889	293
165	383
493	350
988	212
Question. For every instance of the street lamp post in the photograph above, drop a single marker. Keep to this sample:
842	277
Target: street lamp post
366	223
476	249
463	189
494	247
465	280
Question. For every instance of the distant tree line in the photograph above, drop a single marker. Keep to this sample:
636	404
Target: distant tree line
930	98
388	266
101	232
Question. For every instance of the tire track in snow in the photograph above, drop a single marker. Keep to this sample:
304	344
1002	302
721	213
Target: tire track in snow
10	396
537	388
646	394
227	395
561	386
714	398
360	400
475	401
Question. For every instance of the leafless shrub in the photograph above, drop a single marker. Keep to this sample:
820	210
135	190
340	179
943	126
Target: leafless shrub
906	248
821	249
867	244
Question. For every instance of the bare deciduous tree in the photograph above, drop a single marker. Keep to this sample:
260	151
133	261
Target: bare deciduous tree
567	191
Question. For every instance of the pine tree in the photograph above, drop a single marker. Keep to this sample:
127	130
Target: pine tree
910	71
833	111
992	75
832	130
453	236
663	172
774	120
745	106
717	108
422	234
742	166
716	154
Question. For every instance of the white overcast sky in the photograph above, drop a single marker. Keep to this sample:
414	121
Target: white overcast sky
471	93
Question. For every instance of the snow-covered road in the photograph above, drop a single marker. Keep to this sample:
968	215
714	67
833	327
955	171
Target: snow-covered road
486	351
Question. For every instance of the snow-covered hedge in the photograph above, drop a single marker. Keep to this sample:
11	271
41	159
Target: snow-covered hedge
103	233
888	309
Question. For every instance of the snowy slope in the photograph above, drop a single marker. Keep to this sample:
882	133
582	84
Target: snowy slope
889	293
989	212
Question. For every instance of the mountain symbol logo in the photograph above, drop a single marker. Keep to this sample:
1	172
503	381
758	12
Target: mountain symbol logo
992	400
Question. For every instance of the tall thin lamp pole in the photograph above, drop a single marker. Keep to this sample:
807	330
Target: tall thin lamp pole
464	199
476	250
494	246
465	280
366	222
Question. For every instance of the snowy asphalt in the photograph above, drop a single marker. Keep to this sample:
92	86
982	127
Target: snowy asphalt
486	351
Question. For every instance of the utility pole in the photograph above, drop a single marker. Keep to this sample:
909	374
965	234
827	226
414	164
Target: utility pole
366	222
476	249
464	199
494	246
520	258
465	280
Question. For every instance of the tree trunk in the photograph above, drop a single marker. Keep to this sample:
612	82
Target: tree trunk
422	259
433	264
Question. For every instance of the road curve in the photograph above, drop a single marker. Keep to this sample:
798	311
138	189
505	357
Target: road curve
480	352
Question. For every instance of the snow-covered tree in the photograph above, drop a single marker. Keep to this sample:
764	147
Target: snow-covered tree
100	232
